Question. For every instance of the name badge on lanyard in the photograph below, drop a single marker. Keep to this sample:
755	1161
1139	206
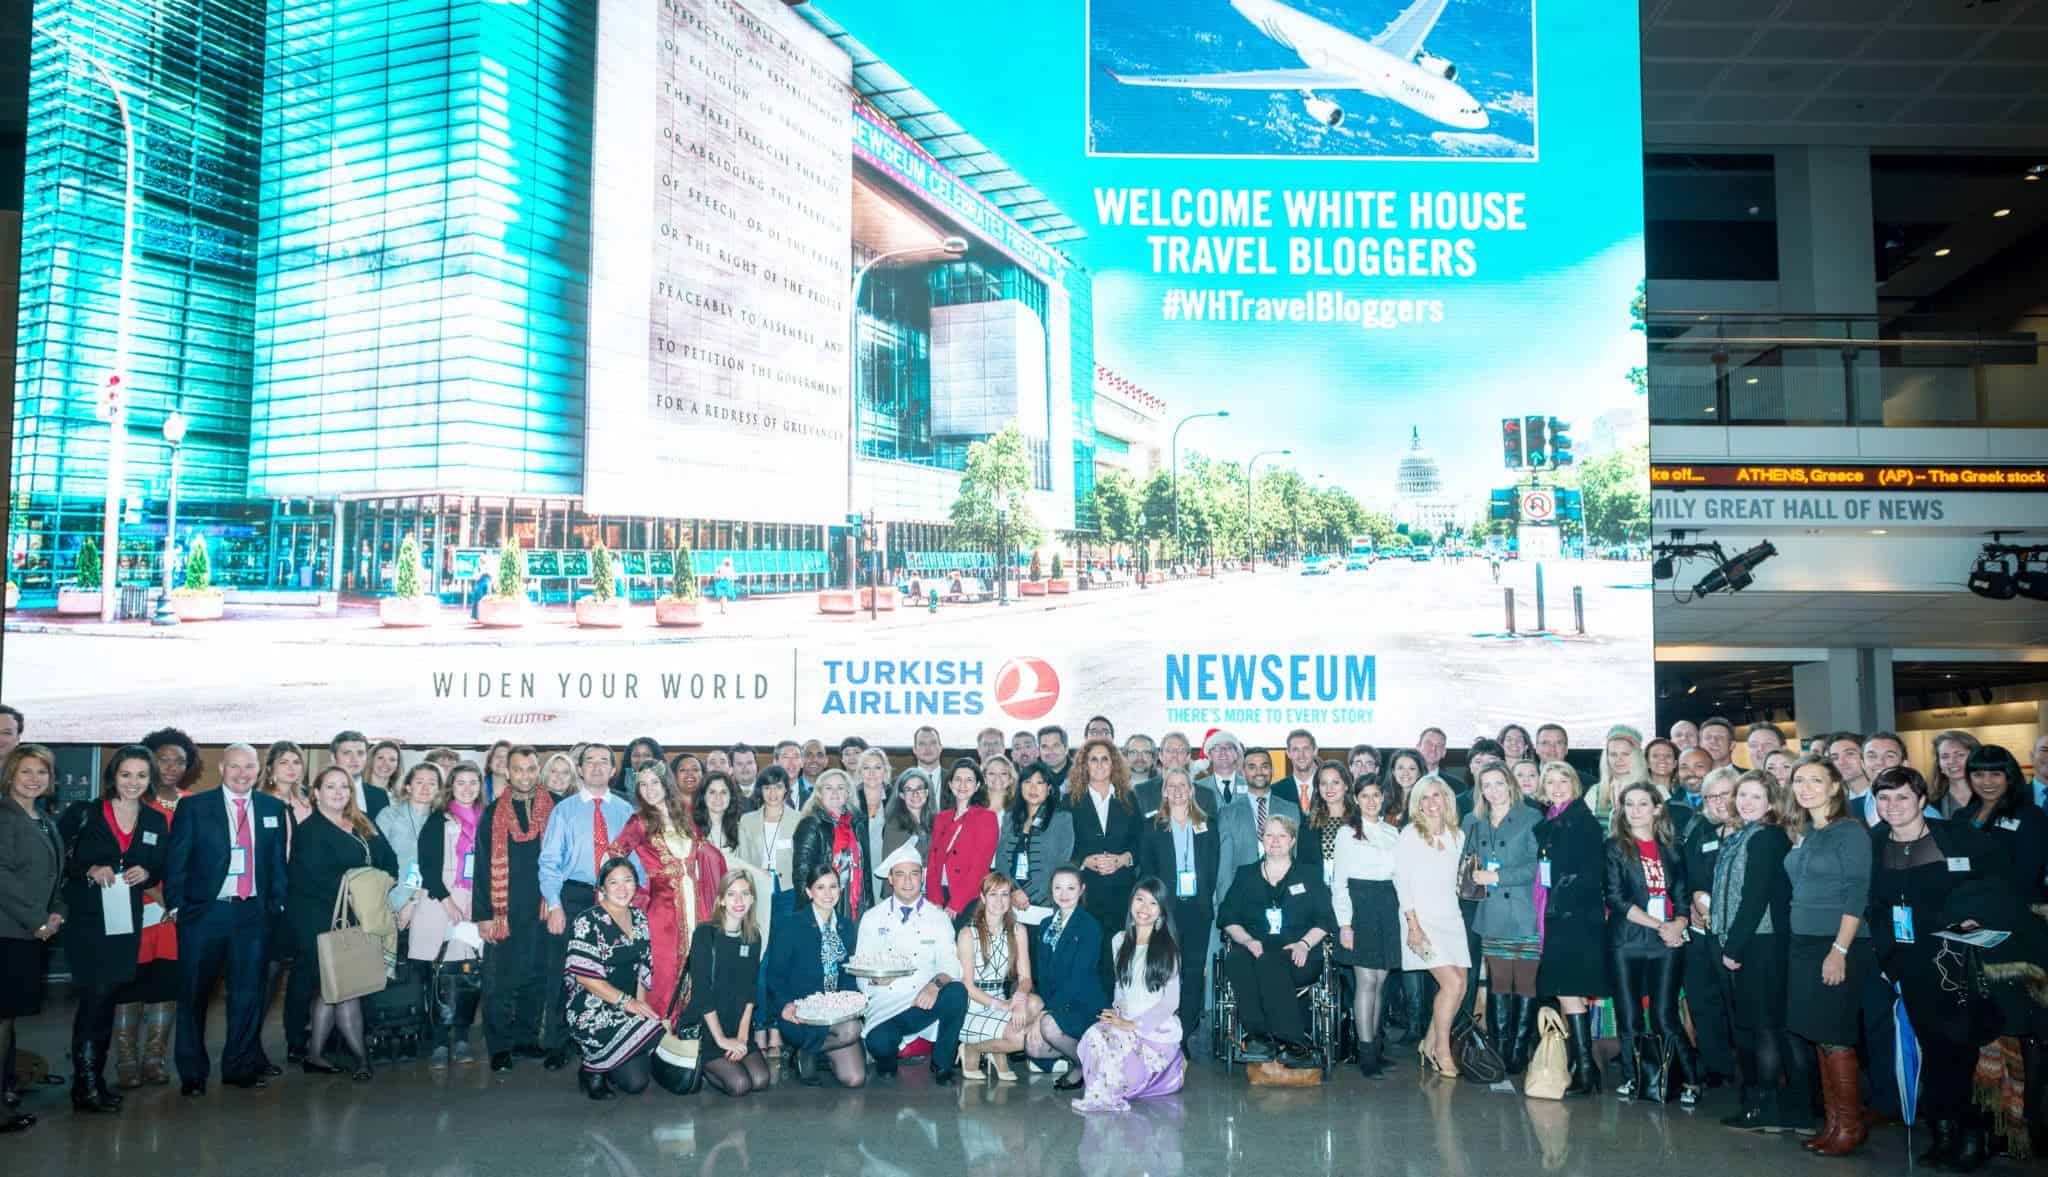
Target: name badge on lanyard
1272	921
1660	908
469	866
1184	884
1543	871
1902	923
1329	871
412	876
1023	865
238	862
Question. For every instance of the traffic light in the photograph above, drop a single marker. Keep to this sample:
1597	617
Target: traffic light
1560	442
1533	434
1500	503
113	397
1569	503
1511	442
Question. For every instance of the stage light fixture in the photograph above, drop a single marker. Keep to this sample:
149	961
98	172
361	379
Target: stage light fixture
1735	575
2032	581
1660	568
1993	577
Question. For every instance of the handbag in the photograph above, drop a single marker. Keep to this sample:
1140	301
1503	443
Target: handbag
1272	1074
1549	1070
677	1065
457	987
1468	890
1477	1060
1653	1068
351	959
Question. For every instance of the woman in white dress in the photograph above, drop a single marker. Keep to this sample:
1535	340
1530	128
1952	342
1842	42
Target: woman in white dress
1134	1049
995	961
1426	882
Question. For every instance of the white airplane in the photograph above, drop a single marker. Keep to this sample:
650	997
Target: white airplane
1392	66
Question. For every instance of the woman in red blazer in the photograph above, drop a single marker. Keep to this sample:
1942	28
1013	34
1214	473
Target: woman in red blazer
963	841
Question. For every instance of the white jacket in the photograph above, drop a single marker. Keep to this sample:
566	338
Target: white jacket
1370	858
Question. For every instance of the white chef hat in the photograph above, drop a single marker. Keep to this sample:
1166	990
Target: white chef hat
907	852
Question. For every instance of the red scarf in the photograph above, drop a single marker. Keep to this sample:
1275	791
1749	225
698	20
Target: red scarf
844	842
502	822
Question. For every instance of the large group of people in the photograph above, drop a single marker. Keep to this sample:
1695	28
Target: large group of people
1043	905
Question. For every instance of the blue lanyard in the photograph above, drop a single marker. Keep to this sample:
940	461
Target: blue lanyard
1184	844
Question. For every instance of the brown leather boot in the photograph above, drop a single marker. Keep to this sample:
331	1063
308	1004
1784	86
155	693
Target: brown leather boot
157	1022
1840	1088
128	1045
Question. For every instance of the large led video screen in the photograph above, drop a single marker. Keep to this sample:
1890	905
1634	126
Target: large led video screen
727	369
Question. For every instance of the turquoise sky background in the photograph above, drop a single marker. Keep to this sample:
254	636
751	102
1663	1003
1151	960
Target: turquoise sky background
1542	327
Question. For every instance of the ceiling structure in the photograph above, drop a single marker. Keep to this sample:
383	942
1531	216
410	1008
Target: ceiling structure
1748	691
1909	620
1953	74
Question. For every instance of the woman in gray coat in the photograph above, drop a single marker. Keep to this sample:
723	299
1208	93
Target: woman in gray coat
1502	836
31	902
1039	837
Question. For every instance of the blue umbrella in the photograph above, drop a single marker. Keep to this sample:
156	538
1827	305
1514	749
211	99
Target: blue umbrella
1905	1063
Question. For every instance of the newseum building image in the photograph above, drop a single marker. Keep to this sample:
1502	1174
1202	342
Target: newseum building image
391	270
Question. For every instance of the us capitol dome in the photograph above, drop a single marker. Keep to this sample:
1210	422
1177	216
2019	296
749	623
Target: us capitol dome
1419	498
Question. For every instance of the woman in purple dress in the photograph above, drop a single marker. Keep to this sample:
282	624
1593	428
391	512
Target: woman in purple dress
1133	1050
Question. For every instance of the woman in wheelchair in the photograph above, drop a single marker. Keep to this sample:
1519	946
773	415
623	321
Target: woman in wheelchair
1276	916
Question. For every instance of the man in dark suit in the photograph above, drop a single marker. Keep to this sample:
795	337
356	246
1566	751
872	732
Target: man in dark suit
351	751
224	879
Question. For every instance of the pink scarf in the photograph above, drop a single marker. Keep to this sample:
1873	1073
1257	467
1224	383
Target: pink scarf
465	818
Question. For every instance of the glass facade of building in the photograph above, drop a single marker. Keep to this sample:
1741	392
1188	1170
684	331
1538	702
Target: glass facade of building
422	276
1081	357
193	70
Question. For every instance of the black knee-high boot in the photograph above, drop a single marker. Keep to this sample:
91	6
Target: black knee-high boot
1585	1068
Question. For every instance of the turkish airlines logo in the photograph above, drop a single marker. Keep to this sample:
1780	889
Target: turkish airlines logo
1027	688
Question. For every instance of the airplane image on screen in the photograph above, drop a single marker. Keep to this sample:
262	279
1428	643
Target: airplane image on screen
1392	66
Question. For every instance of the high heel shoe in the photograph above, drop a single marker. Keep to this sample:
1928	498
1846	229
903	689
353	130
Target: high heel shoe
314	1064
362	1073
997	1064
971	1060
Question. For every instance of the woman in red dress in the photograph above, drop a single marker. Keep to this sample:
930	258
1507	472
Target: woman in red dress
683	875
963	841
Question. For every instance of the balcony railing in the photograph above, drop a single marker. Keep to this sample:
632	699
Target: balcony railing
1770	369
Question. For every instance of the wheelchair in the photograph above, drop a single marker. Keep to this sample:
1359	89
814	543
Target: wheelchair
1322	1007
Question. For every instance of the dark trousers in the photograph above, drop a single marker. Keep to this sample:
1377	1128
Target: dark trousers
520	987
885	1040
1264	989
1651	973
1708	1003
231	936
577	898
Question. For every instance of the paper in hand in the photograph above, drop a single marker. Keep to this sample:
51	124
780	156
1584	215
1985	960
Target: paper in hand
116	908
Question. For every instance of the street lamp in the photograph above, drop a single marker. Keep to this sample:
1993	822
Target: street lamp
951	247
1144	552
1175	484
1002	554
1251	544
175	426
117	425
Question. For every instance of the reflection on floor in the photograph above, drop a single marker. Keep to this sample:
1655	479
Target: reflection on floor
464	1120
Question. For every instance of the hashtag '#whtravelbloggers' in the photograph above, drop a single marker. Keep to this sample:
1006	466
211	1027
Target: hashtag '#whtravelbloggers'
1170	308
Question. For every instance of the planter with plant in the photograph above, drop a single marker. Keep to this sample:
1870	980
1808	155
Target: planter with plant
678	607
409	606
505	607
1059	583
81	598
603	608
197	599
1033	584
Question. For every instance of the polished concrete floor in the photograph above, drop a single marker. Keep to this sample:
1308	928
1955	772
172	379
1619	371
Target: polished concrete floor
464	1120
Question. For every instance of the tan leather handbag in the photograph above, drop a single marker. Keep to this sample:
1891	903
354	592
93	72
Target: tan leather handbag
1549	1068
1280	1075
351	959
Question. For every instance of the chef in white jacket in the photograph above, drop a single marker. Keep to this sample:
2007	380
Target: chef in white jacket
930	1003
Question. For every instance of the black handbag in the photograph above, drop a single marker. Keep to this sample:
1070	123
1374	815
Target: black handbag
457	988
678	1061
1653	1068
1477	1060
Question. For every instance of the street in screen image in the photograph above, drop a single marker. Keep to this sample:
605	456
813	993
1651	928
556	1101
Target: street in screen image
1435	631
1360	79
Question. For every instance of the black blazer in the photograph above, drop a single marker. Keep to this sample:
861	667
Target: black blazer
197	864
1303	901
1120	838
1625	885
1158	859
812	847
1572	843
321	856
2022	835
793	966
375	800
95	957
1701	847
1765	887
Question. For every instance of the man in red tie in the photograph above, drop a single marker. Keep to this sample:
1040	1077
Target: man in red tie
224	880
574	846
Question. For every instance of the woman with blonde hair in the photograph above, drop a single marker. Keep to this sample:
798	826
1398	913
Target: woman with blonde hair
1433	927
995	964
558	775
1571	915
724	971
1621	765
284	777
1501	836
